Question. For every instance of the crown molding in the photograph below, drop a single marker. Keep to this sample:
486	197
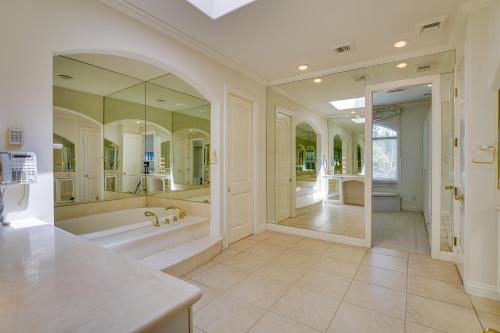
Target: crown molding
153	22
463	11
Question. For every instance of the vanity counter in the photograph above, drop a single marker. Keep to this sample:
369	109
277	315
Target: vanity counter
53	281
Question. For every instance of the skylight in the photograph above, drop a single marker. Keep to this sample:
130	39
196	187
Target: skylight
358	120
346	104
218	8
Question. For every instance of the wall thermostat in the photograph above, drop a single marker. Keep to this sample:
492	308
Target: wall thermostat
16	136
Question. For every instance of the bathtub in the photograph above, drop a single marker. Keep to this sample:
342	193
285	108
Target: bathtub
133	235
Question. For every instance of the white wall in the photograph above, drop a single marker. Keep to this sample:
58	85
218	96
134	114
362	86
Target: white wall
33	31
482	59
300	114
412	120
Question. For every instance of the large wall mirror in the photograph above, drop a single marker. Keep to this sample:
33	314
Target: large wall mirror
123	128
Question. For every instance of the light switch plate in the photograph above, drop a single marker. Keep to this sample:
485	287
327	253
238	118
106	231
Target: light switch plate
16	136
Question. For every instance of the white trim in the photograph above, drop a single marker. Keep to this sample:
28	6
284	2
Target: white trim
435	153
461	17
482	290
293	183
153	22
228	90
317	234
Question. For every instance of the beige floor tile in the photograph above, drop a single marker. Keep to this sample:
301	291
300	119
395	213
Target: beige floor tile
382	277
306	307
433	269
259	291
381	299
416	328
347	252
274	323
197	330
246	261
336	266
324	284
486	305
262	235
489	320
387	262
313	245
441	316
439	290
298	257
282	239
209	295
243	244
352	318
221	277
280	271
266	250
226	254
390	252
202	268
227	314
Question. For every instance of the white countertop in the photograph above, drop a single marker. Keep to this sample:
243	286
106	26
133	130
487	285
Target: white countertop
53	281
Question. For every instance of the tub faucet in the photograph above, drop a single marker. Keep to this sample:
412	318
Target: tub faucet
151	214
182	214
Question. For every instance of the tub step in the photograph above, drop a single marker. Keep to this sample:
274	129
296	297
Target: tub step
182	259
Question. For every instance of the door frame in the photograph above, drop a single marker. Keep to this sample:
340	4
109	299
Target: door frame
293	183
228	91
435	80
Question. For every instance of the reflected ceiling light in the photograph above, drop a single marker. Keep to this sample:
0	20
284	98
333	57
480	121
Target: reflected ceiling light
400	43
353	112
65	77
346	104
402	65
317	80
303	67
137	122
429	85
358	120
190	130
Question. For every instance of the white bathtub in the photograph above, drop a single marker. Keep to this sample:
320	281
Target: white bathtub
105	224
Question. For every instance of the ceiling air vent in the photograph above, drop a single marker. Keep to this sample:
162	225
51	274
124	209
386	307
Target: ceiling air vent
437	23
396	90
359	78
343	48
424	68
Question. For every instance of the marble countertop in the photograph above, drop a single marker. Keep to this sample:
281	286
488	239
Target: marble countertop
53	281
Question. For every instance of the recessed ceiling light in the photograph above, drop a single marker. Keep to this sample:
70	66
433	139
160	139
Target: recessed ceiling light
317	80
429	85
303	67
346	104
161	100
353	112
402	65
400	43
137	122
190	130
65	77
358	120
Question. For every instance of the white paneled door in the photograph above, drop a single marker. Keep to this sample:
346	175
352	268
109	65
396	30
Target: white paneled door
91	165
132	161
283	166
239	168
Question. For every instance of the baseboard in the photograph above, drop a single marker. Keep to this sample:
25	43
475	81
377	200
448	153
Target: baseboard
482	290
411	209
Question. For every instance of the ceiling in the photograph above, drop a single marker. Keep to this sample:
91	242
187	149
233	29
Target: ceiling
414	94
270	38
123	78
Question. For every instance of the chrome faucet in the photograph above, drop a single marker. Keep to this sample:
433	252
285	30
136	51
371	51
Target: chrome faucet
182	214
151	214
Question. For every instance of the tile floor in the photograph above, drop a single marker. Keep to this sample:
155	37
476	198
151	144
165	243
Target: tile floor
347	220
274	282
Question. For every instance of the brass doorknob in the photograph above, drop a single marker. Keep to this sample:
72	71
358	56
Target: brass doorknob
449	187
459	197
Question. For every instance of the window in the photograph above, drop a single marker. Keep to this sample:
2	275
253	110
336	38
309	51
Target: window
385	154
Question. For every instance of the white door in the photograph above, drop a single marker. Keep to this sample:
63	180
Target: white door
132	161
459	165
91	165
239	173
283	166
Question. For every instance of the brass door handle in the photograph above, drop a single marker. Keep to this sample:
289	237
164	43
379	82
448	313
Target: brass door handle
459	197
449	187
